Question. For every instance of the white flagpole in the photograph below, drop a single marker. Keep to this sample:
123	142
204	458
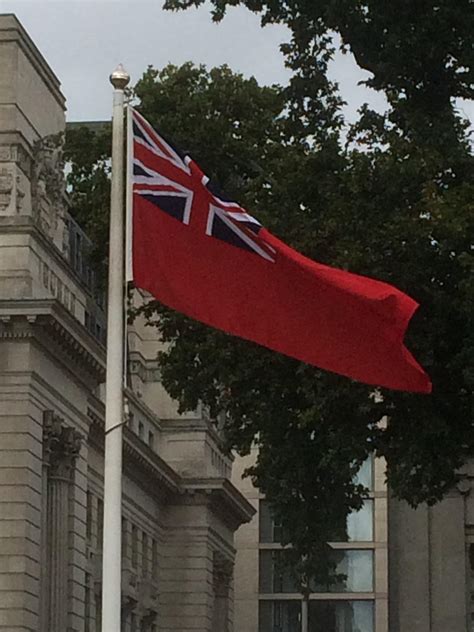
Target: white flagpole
112	543
129	198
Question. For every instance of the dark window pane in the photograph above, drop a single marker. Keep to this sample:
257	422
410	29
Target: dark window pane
265	522
145	554
280	616
100	523
341	616
357	566
359	527
270	528
89	510
274	576
154	559
134	546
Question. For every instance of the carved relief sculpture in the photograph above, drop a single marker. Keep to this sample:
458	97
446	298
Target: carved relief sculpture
48	186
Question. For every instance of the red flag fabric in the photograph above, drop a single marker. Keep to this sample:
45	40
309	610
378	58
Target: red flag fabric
206	257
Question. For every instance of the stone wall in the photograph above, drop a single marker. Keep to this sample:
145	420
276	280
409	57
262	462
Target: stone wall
180	510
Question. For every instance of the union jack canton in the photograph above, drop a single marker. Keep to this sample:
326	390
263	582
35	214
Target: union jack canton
175	184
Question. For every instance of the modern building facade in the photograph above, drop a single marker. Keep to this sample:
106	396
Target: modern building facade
406	570
180	509
266	599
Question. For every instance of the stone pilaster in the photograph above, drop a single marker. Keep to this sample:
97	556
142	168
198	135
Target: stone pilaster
223	569
61	448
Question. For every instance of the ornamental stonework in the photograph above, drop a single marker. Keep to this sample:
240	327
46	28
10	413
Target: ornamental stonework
61	446
48	185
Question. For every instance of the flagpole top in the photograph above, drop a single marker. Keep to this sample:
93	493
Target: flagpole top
119	78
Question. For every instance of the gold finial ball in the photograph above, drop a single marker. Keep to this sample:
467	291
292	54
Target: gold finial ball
119	78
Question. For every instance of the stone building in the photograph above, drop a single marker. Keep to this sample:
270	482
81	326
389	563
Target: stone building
184	567
180	509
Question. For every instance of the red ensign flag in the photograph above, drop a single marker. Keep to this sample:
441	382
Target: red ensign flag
206	257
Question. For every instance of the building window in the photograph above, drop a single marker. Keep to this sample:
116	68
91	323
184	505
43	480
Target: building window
280	616
274	576
141	430
355	565
270	528
134	546
78	253
359	526
87	603
88	516
53	283
98	613
324	616
124	538
358	568
100	523
365	475
338	616
154	559
45	275
145	554
151	440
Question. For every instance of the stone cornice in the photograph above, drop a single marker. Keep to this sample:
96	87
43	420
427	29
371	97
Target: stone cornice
12	31
225	499
145	465
141	463
140	404
52	326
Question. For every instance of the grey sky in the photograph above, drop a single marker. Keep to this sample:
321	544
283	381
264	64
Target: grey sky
83	40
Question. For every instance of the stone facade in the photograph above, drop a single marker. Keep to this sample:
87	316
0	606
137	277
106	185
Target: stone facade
180	509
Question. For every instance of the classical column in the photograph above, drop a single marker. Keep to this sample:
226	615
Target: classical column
223	569
62	446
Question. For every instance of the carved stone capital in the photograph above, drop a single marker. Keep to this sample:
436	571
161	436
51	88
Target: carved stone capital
61	446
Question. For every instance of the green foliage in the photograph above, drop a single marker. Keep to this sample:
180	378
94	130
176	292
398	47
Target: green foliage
394	203
397	205
87	154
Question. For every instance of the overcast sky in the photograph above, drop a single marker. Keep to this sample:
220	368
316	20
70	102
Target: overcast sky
84	40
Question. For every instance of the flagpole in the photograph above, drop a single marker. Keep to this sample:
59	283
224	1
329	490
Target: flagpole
112	542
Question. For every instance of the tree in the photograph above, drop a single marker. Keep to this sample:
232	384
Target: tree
398	208
393	204
87	152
